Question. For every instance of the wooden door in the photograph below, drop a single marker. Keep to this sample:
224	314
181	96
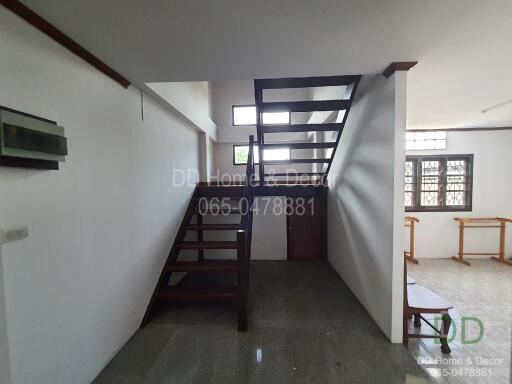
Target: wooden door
307	229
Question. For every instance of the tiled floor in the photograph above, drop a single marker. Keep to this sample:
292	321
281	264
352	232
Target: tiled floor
482	291
306	327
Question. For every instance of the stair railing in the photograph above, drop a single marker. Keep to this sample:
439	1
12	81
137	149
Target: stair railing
244	237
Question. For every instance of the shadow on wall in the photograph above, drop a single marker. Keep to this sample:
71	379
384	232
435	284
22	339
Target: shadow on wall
361	200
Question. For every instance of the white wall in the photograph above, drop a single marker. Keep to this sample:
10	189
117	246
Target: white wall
365	245
100	228
437	232
225	94
269	229
4	347
269	232
191	100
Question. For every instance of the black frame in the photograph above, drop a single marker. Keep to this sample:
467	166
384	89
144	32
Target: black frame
417	178
249	125
21	162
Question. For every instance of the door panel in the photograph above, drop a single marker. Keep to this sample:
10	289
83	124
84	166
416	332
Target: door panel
306	229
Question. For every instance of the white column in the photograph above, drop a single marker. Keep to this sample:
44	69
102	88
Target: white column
397	289
205	156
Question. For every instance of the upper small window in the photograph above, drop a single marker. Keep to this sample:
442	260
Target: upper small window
415	141
246	115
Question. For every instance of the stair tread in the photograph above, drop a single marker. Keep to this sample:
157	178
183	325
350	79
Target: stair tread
198	293
305	82
203	266
301	127
227	198
299	145
217	211
221	191
297	174
213	227
304	106
295	161
207	245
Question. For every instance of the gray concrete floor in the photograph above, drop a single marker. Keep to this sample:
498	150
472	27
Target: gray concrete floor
305	327
482	291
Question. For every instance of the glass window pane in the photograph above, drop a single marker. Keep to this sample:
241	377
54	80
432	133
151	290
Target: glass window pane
244	115
408	199
276	154
409	183
425	140
456	171
456	167
269	118
429	199
430	167
241	152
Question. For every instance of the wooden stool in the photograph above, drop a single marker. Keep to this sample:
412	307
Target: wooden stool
489	222
409	255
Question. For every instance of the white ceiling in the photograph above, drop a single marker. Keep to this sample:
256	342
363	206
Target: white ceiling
463	46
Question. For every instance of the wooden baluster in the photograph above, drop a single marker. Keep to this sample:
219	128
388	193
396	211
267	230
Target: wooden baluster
243	283
200	252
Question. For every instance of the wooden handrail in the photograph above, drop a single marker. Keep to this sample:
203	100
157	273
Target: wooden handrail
483	219
243	238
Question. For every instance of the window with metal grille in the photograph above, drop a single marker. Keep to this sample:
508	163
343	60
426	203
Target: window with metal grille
439	183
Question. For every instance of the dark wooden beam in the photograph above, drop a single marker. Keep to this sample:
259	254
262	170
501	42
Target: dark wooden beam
301	127
305	82
398	66
295	161
291	190
304	106
476	129
297	174
51	31
299	145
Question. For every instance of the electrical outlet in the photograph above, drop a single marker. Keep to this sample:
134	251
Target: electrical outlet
14	233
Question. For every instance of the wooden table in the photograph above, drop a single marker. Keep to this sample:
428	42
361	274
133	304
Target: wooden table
482	222
409	255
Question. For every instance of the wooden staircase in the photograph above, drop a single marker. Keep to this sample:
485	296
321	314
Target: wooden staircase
221	200
343	104
214	201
